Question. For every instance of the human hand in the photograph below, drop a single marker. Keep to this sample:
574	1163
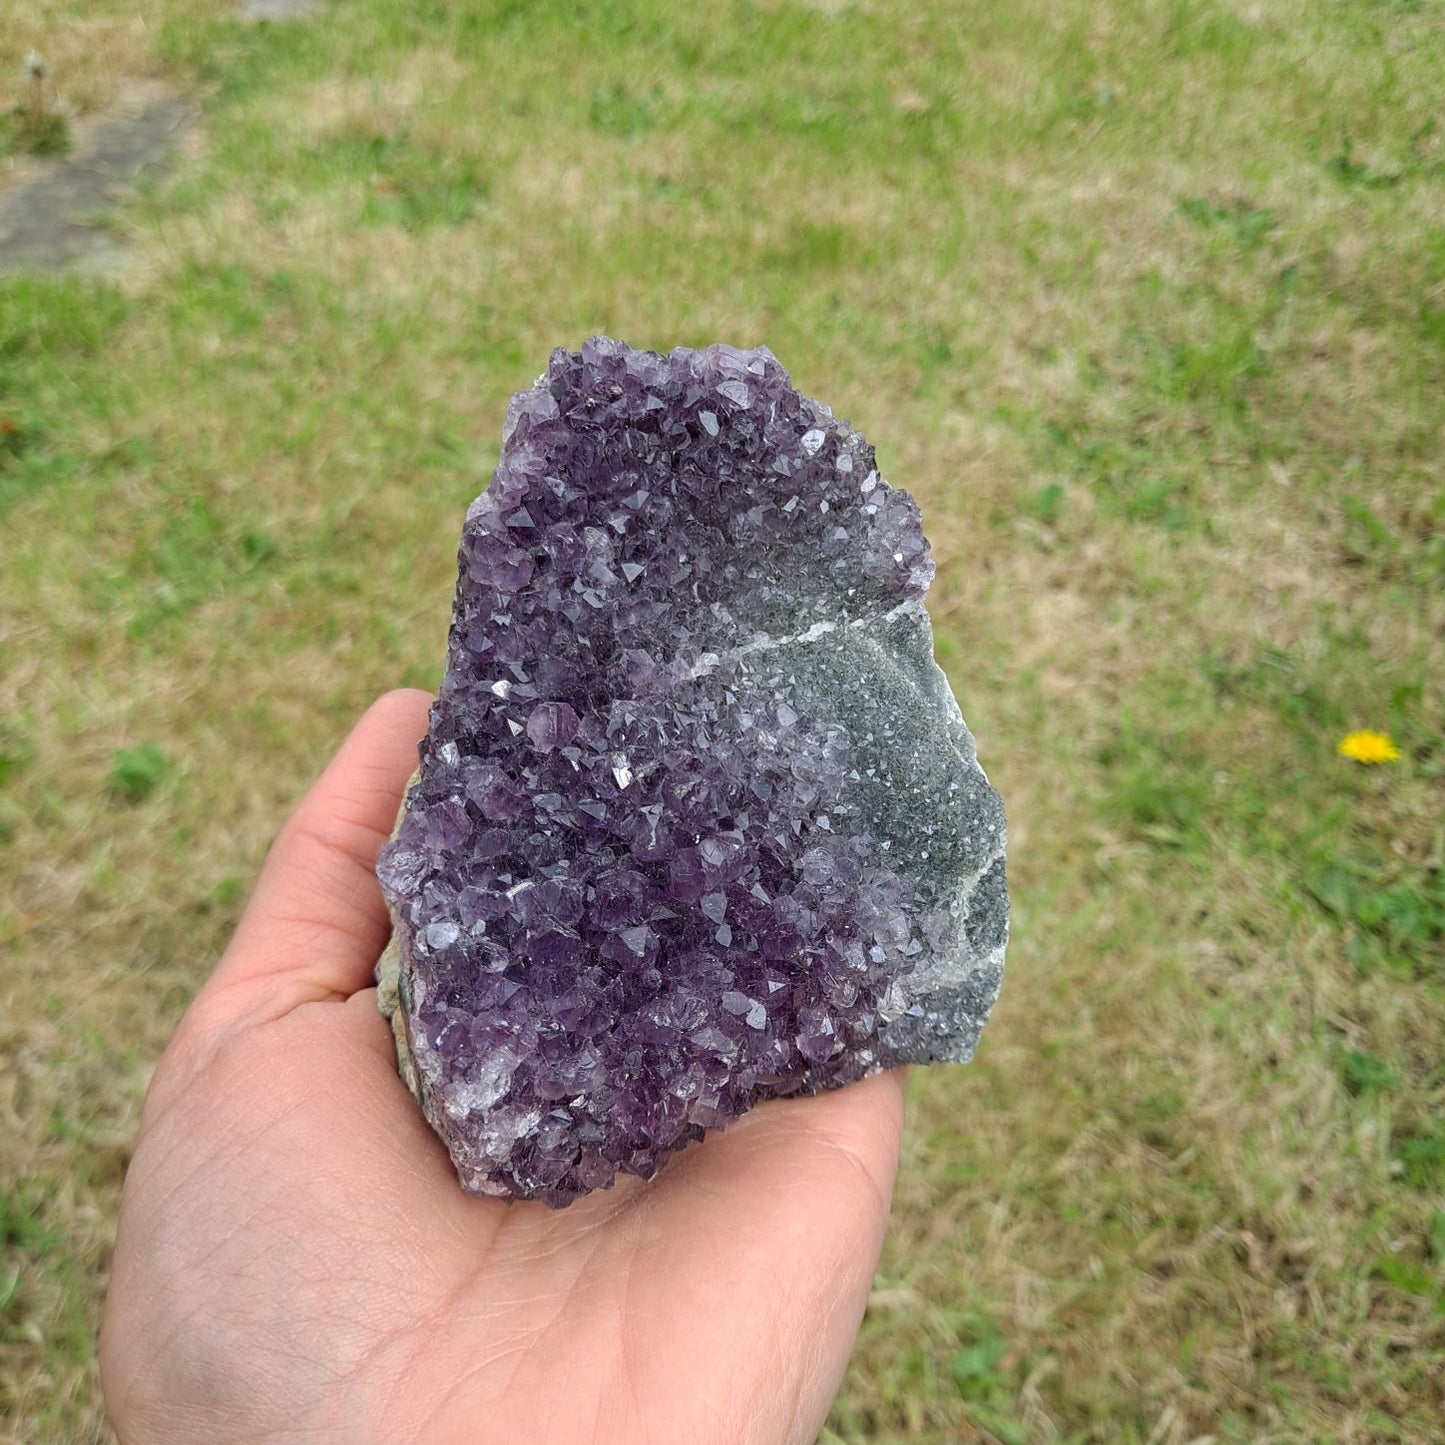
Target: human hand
296	1260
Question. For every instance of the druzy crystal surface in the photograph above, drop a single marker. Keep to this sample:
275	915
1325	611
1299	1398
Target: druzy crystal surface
697	821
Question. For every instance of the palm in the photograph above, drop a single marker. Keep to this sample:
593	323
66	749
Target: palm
296	1256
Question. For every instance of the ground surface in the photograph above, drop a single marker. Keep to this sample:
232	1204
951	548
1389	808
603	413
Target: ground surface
1145	302
57	216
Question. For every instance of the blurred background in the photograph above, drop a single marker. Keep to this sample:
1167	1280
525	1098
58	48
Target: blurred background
1145	302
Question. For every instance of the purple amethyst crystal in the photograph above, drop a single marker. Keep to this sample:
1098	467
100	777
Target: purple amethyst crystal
697	822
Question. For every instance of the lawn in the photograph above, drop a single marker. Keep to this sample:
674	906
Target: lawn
1144	302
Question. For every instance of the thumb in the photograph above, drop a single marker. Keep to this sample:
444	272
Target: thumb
316	922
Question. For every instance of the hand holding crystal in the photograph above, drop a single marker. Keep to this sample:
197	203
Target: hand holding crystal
296	1261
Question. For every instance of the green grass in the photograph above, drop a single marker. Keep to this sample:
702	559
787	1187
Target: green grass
1146	304
137	772
23	131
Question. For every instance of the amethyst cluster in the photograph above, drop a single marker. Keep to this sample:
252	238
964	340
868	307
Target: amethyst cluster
697	821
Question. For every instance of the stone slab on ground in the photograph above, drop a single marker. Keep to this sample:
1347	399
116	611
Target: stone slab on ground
258	10
48	222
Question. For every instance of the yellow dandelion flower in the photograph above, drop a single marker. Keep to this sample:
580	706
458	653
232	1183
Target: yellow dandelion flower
1368	747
